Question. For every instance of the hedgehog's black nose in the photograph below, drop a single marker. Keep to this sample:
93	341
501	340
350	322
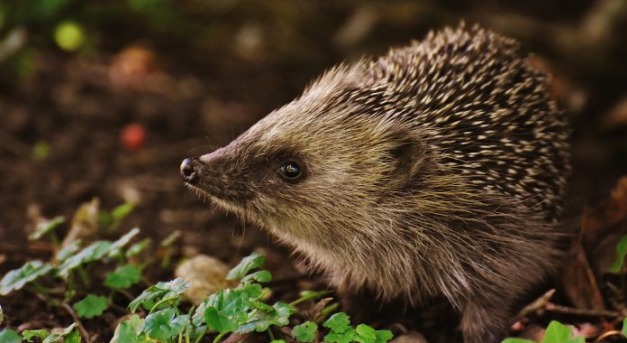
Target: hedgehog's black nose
188	171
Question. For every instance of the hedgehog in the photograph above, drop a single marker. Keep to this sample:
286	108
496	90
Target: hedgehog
435	171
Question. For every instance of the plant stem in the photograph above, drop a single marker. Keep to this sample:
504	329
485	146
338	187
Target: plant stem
163	301
325	311
81	329
219	337
40	288
54	239
200	336
84	276
309	296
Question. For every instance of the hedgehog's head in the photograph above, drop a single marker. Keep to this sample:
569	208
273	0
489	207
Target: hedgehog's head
323	161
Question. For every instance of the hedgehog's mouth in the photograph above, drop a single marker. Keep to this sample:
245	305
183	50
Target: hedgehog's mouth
201	193
226	205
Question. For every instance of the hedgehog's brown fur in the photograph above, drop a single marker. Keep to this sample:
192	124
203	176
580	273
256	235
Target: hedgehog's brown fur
436	170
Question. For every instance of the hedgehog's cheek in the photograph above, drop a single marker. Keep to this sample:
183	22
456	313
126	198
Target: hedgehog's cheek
407	157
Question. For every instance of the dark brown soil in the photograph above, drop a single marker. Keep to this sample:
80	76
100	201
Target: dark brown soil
192	96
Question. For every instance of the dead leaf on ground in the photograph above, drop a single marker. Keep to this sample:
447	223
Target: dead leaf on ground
580	284
206	275
85	223
602	227
313	313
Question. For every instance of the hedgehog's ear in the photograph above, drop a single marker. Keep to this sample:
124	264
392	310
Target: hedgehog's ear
408	157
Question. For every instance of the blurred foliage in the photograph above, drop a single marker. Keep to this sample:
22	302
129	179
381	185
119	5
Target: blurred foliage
69	36
26	26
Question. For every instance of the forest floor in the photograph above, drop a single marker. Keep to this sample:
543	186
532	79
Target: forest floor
75	110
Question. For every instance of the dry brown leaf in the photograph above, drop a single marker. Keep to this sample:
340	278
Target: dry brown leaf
580	284
617	208
206	275
313	312
85	223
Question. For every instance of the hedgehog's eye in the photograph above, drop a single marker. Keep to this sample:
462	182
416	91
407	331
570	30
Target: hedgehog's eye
291	171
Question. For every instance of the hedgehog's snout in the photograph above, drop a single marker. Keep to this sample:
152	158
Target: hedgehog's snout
189	170
193	168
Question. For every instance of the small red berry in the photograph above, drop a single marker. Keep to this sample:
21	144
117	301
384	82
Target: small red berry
133	137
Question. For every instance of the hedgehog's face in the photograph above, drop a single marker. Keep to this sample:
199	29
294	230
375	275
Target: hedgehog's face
300	175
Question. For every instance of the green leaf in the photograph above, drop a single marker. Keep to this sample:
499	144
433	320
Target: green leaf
116	247
248	263
123	277
122	211
557	332
365	334
72	337
226	310
624	330
339	322
283	313
219	322
9	336
341	329
621	253
305	332
137	247
196	332
69	335
68	250
28	335
517	340
68	329
260	305
130	331
262	317
105	219
164	324
91	306
93	252
384	336
170	290
259	276
69	36
17	278
347	336
310	295
52	338
254	290
46	227
171	239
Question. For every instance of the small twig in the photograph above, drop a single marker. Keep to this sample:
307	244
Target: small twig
579	311
536	304
77	320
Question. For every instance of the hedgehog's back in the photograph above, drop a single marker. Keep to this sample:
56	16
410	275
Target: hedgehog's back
486	113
